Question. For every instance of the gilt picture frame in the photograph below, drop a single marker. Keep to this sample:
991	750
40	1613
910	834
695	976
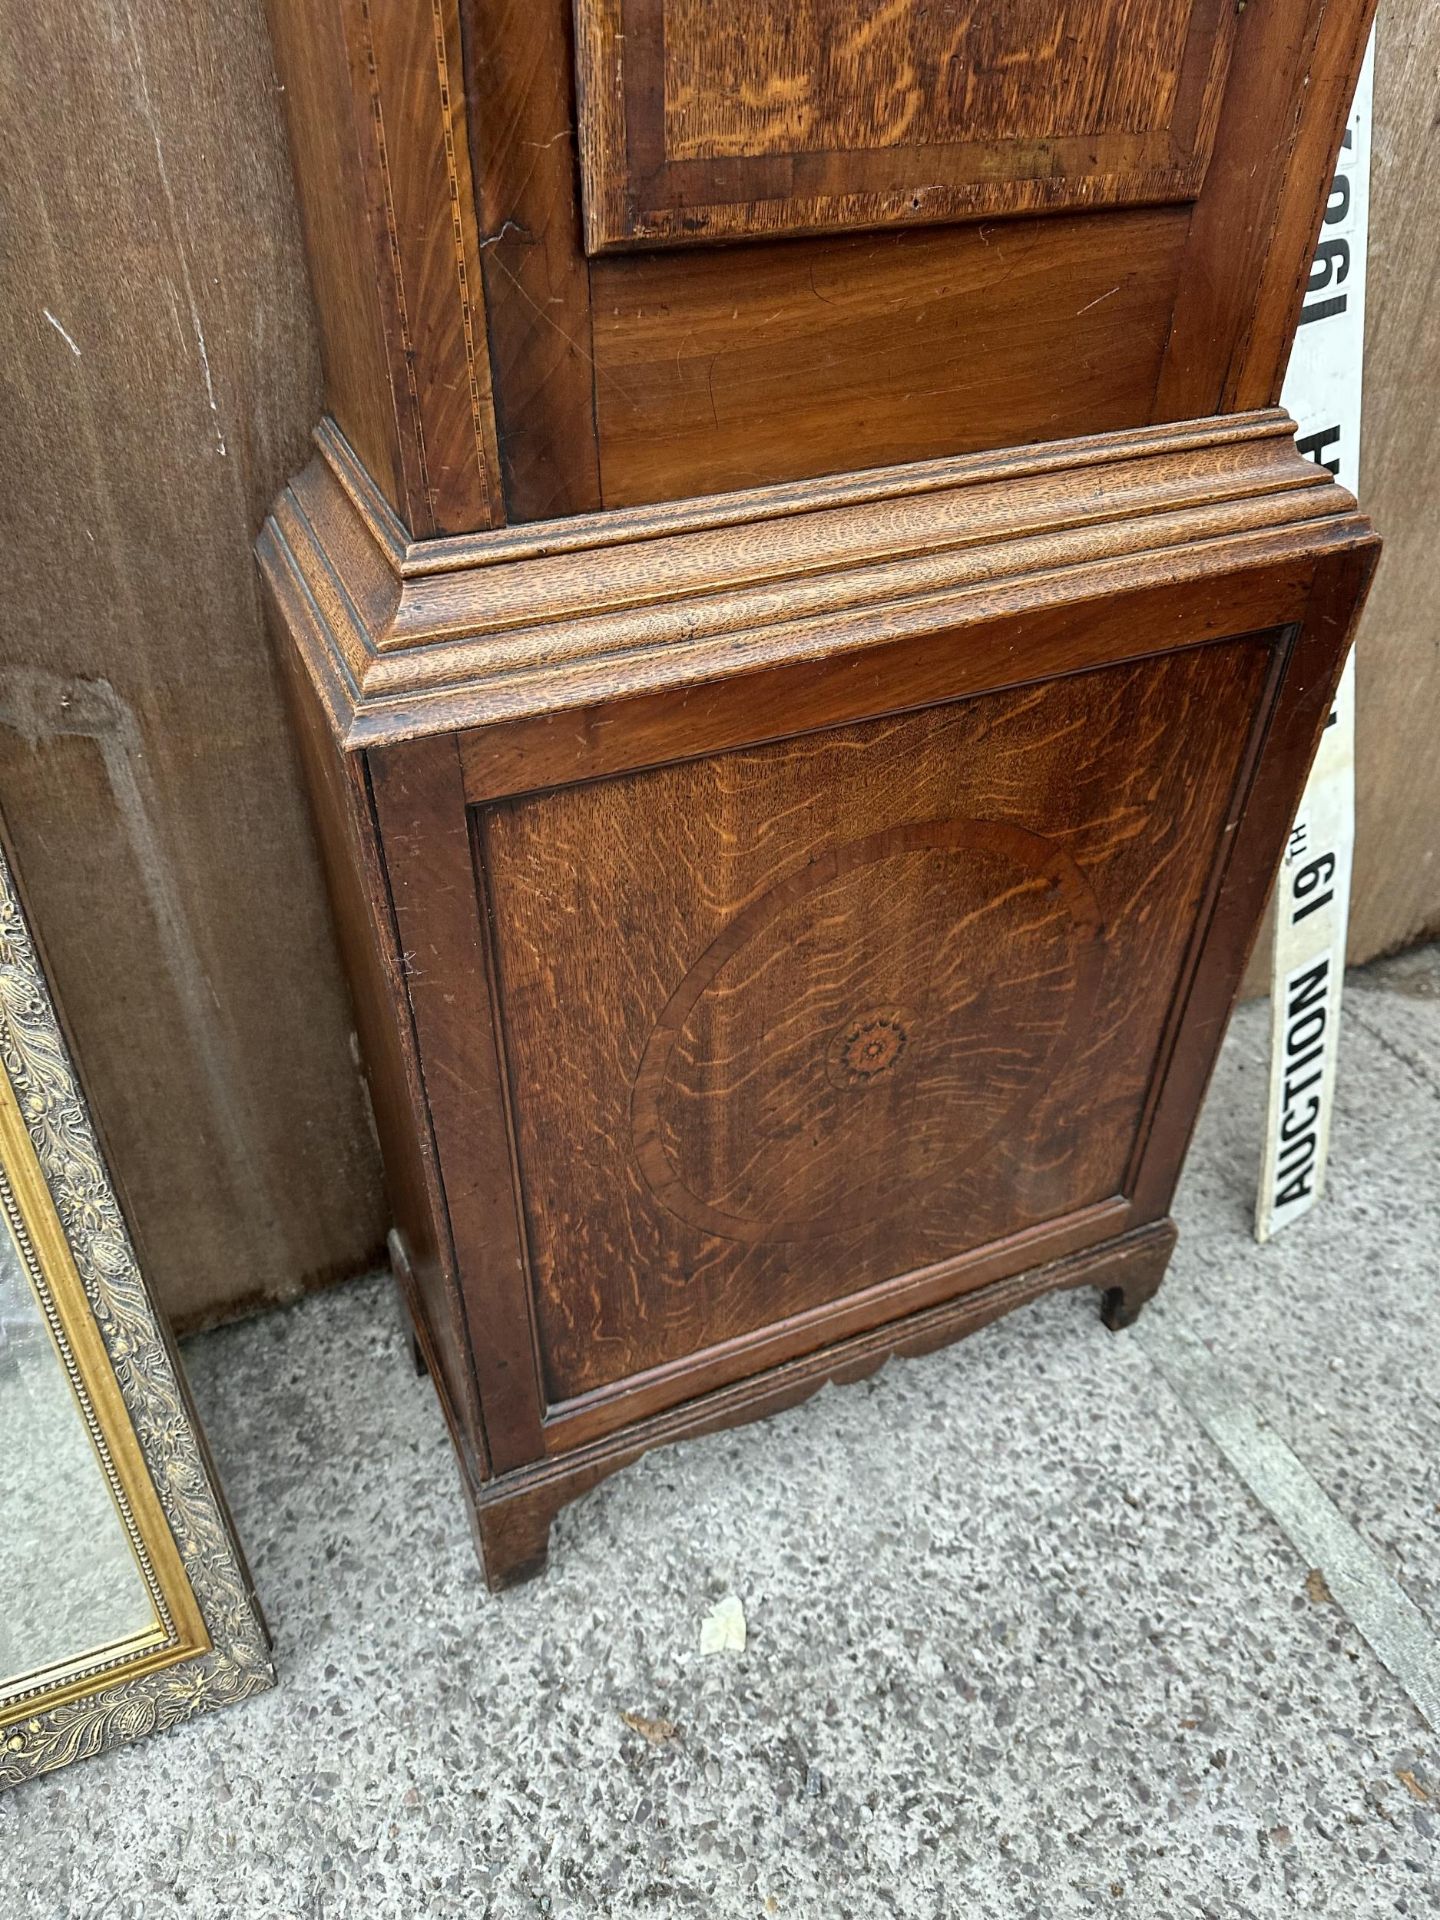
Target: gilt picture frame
188	1634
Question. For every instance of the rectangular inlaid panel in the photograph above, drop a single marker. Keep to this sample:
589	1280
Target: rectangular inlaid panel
787	1022
701	122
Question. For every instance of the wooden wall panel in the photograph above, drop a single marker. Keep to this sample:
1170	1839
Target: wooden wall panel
160	378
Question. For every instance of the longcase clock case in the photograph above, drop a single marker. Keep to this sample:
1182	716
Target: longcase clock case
807	631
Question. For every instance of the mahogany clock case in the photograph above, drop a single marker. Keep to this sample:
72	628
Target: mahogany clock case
790	931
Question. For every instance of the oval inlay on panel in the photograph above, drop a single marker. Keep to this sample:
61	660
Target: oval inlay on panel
871	1024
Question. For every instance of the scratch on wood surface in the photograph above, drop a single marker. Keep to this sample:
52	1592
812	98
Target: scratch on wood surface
575	346
507	227
1095	302
209	383
175	229
64	335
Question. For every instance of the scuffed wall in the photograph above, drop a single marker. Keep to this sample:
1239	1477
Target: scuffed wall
160	380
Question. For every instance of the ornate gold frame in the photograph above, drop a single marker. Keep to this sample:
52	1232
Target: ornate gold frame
208	1645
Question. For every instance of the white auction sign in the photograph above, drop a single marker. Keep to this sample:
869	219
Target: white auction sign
1312	898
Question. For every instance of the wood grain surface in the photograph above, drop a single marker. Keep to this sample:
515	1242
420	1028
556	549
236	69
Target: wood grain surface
785	1023
512	1515
536	280
159	382
378	118
419	1240
791	117
1253	231
245	1149
818	909
716	369
799	582
1001	315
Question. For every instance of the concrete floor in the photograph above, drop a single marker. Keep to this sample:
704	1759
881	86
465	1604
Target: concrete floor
1026	1635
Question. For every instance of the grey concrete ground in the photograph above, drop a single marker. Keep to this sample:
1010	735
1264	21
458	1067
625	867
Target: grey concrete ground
1023	1640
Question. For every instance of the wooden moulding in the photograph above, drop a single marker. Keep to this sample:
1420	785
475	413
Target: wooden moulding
405	639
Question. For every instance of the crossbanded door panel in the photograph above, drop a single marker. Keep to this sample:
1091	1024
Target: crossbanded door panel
702	123
784	1023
